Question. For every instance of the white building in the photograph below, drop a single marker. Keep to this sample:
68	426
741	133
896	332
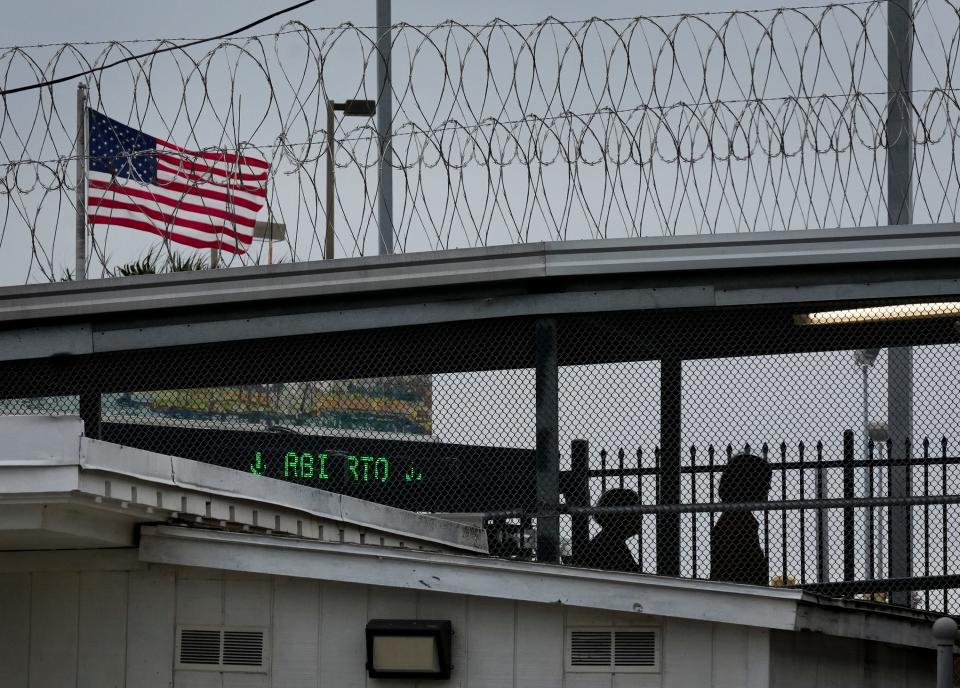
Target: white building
118	566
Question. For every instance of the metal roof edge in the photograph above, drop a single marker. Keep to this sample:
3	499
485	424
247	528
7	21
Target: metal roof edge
863	620
263	283
489	265
755	250
41	440
46	443
477	576
784	609
227	482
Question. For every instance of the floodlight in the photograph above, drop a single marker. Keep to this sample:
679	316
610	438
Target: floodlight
357	108
400	648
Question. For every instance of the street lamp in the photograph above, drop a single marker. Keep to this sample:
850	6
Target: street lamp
350	108
270	231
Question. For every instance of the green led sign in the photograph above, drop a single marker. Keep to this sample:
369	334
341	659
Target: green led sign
412	474
318	467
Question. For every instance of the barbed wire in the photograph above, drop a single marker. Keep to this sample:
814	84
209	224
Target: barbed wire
506	133
130	41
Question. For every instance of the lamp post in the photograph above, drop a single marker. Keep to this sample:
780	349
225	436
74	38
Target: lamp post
350	108
270	231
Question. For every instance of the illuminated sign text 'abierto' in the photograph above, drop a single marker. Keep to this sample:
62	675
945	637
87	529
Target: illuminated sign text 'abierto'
320	466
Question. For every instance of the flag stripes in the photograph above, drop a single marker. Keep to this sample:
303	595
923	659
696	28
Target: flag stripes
204	199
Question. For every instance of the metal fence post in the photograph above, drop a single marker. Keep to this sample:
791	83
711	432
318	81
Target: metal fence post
90	412
899	132
823	533
668	476
900	426
548	442
848	493
578	494
80	265
945	633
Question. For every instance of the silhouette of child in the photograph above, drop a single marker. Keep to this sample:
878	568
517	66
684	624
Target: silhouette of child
608	550
735	552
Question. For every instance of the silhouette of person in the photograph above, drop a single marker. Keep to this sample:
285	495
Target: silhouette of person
735	551
608	550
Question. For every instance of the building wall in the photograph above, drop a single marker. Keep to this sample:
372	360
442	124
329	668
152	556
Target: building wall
813	660
102	619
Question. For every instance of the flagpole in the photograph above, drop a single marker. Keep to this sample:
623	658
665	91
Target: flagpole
81	245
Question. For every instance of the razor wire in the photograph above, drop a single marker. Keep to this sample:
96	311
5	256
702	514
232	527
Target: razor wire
509	133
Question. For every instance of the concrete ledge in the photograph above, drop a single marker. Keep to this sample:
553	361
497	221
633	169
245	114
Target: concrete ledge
443	270
40	440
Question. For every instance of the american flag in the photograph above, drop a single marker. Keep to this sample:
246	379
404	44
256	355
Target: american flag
198	198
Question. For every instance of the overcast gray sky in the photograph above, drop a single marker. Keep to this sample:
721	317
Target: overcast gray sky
589	200
96	20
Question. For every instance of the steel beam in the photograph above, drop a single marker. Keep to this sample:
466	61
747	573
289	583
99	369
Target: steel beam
548	447
385	128
899	134
668	480
790	267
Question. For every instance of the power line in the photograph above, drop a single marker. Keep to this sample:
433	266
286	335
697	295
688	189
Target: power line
60	80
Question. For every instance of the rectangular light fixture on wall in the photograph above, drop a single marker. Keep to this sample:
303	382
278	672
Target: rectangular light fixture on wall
401	648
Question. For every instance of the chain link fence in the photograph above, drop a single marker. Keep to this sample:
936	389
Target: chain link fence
760	445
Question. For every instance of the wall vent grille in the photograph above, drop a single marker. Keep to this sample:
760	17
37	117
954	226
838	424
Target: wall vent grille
199	646
221	649
590	648
634	648
243	648
613	650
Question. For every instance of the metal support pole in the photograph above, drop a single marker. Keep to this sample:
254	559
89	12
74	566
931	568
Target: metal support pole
869	525
945	633
823	533
848	493
900	427
668	524
385	127
548	442
899	132
331	181
81	242
579	495
90	412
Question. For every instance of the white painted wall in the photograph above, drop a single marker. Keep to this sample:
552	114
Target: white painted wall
68	620
102	619
812	660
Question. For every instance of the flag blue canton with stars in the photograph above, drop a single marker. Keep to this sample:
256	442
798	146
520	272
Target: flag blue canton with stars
121	151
